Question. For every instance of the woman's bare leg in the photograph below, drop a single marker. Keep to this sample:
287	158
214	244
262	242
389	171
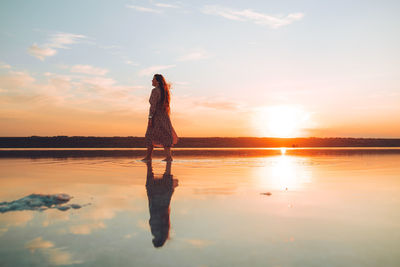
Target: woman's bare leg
168	156
149	153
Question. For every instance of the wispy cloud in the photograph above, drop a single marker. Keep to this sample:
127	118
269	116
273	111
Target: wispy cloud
252	16
166	5
60	40
130	62
144	9
41	52
88	69
99	81
56	41
15	79
4	66
151	70
215	104
197	55
156	7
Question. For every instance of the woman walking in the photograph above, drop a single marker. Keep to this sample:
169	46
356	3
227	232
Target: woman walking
160	132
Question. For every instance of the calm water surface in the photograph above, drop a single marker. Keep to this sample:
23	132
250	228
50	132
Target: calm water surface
285	210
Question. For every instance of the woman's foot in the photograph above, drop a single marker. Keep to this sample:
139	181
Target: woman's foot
146	159
168	159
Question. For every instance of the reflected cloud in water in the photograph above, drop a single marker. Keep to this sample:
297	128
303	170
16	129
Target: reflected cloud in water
39	202
18	218
52	254
198	243
159	193
85	229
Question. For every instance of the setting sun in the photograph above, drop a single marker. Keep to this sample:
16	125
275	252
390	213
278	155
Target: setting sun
280	121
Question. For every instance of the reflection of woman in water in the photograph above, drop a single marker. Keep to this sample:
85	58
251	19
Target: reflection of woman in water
159	193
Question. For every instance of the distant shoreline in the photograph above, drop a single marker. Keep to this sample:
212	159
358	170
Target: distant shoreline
193	142
193	152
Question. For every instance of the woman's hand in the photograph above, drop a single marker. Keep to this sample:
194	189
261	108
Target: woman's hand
150	123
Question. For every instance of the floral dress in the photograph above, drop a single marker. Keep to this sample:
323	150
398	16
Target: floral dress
161	133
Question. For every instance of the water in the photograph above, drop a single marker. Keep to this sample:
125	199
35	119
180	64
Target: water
275	210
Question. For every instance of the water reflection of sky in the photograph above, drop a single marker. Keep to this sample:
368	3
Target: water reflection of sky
337	210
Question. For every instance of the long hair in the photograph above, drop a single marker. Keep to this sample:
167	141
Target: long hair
165	94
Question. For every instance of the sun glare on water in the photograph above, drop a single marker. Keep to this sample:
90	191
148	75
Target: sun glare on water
284	173
280	121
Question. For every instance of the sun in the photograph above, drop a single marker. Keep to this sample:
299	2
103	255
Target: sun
280	121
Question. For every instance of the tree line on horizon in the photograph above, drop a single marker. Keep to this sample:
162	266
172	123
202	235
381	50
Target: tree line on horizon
187	142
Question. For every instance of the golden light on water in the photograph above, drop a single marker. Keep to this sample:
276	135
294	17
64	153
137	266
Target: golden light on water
284	173
280	121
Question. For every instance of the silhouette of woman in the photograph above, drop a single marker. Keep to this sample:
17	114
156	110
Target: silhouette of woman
159	193
160	132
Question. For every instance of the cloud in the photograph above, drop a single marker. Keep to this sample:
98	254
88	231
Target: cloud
151	70
90	94
198	55
250	15
21	91
129	62
41	53
215	104
14	80
159	7
99	81
144	9
166	5
87	69
4	66
60	40
56	41
61	104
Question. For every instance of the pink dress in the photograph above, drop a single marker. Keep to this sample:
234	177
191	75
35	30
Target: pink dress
161	133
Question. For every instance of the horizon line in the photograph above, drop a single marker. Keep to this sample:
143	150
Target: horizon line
131	136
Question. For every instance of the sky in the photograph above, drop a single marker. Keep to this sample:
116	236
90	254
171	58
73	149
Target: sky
301	68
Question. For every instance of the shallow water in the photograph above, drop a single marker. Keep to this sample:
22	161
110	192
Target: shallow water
277	210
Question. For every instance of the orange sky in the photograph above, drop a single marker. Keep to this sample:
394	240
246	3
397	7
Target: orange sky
237	70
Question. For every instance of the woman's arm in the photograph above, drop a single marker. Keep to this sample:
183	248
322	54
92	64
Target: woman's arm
154	98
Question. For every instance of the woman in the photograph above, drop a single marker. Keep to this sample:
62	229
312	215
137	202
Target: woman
160	132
